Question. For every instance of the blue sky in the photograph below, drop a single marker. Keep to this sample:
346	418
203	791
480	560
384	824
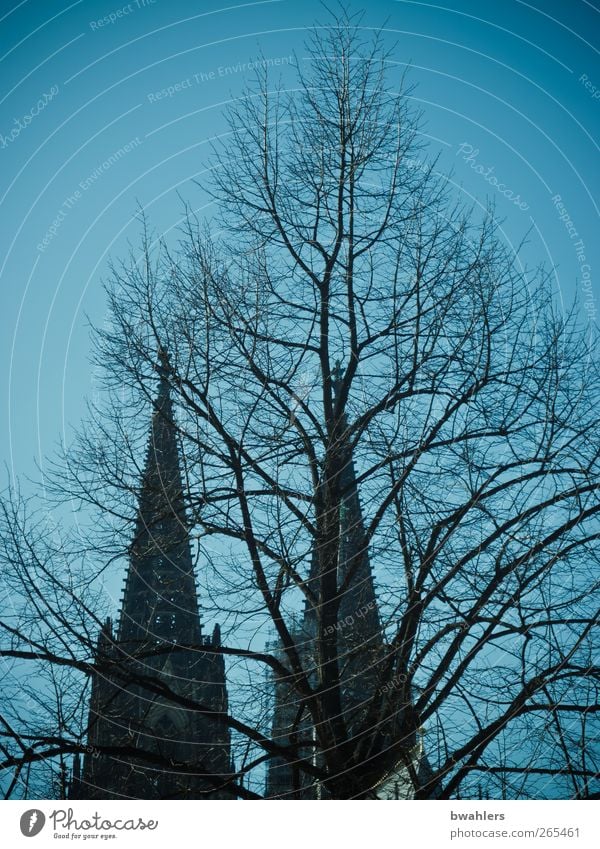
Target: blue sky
106	107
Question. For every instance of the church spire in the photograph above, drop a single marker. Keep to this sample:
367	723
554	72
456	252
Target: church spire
360	642
160	600
355	575
159	611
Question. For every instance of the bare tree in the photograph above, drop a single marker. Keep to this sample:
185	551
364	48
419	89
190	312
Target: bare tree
352	315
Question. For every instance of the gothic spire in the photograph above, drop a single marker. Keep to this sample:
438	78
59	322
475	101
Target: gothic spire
160	601
355	575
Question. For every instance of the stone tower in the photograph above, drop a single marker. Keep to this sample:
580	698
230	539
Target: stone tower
360	648
362	655
153	747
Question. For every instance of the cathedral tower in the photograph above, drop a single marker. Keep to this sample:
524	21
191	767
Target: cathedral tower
359	635
363	659
151	746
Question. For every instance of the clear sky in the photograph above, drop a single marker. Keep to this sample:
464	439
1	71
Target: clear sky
108	106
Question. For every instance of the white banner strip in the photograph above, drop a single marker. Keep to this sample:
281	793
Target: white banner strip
291	825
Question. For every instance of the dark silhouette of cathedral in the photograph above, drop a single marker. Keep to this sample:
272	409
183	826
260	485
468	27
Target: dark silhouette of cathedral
143	744
361	653
162	749
373	708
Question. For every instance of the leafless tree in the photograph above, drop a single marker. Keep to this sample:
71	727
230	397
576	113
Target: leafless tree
350	310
